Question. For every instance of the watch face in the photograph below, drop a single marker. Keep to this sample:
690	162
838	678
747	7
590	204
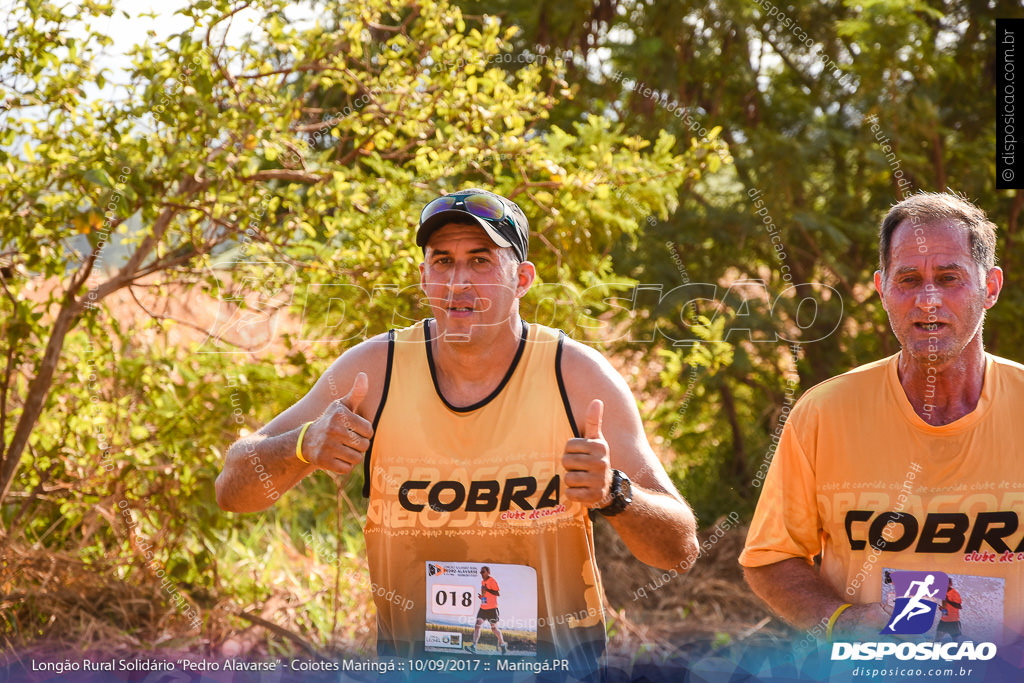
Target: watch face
621	494
626	489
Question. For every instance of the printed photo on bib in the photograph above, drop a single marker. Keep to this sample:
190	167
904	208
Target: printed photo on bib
501	598
970	607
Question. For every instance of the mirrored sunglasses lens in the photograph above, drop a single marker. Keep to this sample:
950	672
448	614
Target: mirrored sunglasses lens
438	205
485	206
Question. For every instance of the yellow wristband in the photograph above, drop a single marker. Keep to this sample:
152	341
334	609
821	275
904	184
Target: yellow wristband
833	619
298	444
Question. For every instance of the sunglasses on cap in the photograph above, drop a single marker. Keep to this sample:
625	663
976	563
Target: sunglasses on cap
483	206
500	218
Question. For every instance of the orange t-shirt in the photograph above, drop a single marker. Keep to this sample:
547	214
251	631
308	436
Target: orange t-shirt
952	613
862	479
489	600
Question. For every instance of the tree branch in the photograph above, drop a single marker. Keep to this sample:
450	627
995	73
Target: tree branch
224	72
785	58
167	318
286	175
288	70
739	460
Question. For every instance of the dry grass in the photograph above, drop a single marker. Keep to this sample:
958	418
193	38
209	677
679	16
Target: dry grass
709	604
58	600
57	603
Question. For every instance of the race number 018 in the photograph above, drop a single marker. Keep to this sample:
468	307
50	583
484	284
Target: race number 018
448	599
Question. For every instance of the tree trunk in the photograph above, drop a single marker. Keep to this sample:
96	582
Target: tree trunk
739	451
38	390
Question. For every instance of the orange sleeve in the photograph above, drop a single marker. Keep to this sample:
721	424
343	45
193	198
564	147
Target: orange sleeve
786	522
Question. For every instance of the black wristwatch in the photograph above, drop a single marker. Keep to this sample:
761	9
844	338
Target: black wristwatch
621	493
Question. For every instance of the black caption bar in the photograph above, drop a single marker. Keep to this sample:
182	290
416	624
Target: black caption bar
1009	134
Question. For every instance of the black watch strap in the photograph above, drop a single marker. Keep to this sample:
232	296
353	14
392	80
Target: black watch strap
621	493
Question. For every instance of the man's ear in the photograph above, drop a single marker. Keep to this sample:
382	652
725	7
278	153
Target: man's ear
878	287
526	273
993	285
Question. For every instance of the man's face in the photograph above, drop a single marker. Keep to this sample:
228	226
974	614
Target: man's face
934	292
484	574
469	283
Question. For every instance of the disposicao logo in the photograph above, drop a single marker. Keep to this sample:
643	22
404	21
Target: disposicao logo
918	596
921	652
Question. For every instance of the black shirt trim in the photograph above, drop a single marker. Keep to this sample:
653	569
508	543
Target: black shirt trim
493	394
380	410
568	413
561	385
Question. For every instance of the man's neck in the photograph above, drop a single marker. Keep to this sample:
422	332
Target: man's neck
469	370
942	393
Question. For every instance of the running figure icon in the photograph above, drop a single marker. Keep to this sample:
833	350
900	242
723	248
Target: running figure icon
917	605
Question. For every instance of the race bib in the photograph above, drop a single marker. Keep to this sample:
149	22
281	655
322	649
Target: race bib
459	597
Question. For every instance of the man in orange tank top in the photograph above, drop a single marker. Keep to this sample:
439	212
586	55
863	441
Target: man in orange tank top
463	362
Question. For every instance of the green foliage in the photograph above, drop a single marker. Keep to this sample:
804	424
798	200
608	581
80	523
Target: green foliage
280	173
791	90
278	167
